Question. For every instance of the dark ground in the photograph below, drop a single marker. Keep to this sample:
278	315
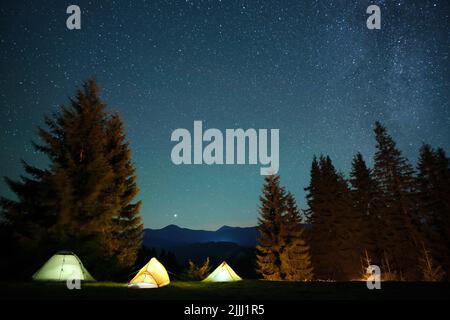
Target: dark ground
242	290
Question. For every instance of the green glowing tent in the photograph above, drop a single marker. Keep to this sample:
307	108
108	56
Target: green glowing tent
63	266
223	273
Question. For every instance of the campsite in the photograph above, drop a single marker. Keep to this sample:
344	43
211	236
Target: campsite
54	280
212	150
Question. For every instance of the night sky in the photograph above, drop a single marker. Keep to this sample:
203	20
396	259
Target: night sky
309	68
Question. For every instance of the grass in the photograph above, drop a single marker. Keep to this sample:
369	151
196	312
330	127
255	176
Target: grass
242	290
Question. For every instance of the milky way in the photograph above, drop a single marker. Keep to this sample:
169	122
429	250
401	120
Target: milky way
309	68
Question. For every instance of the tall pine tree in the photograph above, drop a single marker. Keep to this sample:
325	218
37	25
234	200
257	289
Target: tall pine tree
399	237
433	182
269	249
83	201
122	242
363	196
295	257
335	235
321	220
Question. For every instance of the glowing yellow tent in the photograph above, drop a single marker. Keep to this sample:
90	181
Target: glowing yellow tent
223	273
152	275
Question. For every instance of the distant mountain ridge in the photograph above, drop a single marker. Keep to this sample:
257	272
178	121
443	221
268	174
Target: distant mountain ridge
173	236
236	245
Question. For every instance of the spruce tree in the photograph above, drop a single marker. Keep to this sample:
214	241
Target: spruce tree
320	219
399	236
82	202
433	182
295	257
443	217
124	237
333	229
312	190
366	215
337	234
270	241
427	182
24	225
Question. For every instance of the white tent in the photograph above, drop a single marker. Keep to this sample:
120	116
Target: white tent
152	275
223	273
62	266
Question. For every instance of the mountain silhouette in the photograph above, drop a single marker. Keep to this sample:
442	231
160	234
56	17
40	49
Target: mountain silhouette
174	236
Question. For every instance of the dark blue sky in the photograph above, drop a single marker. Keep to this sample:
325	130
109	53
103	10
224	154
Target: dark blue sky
309	68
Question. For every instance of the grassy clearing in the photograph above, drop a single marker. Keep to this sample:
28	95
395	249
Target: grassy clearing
242	290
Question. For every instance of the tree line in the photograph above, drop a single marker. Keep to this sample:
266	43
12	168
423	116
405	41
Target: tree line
390	215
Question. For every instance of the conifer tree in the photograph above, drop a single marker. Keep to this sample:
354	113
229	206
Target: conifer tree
25	222
324	211
363	195
334	233
433	182
427	182
312	190
399	236
443	220
124	237
295	257
82	202
320	218
272	208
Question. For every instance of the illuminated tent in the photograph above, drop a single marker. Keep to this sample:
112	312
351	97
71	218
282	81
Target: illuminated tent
223	273
63	266
152	275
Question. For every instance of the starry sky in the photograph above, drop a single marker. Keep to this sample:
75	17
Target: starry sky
309	68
